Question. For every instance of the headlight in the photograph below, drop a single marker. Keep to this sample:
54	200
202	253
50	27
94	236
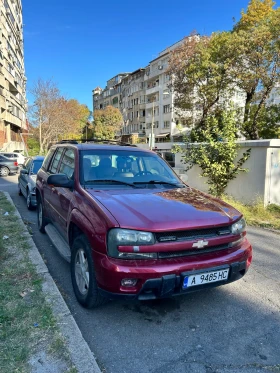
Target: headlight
126	237
238	227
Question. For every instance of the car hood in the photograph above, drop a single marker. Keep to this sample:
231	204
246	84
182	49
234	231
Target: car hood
165	210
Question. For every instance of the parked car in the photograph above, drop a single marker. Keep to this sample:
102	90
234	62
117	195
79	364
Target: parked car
15	156
131	228
27	180
7	166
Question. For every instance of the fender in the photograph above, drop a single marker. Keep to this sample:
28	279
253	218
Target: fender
94	234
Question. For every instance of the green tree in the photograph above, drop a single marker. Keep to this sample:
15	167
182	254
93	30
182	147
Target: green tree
256	65
200	70
268	123
107	123
217	156
206	71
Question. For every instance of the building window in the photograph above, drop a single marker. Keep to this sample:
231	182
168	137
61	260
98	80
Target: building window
166	109
166	124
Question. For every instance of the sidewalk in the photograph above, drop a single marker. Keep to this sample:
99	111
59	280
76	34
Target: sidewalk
81	358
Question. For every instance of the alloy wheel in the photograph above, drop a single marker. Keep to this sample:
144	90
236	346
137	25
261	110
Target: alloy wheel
82	271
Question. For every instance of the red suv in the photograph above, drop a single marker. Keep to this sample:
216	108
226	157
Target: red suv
131	228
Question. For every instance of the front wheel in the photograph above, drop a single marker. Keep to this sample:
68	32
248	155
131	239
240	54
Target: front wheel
83	276
41	220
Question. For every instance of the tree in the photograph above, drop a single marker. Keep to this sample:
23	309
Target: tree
200	70
256	69
107	123
205	71
217	155
54	115
268	123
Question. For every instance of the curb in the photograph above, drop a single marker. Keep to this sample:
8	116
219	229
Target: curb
79	351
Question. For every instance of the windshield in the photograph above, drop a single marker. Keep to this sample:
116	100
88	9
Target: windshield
127	168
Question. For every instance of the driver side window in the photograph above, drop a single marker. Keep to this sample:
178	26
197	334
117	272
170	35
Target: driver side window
68	163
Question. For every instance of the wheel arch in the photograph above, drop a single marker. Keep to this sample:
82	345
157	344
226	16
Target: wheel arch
79	224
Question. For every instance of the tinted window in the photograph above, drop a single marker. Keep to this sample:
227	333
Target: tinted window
55	161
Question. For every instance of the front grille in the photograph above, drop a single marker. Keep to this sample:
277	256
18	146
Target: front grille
176	254
192	234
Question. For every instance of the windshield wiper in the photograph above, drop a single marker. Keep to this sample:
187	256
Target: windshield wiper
111	181
160	182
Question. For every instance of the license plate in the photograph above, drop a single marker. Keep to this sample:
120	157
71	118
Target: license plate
205	278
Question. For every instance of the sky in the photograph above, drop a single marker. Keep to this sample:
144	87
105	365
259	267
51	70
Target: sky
80	45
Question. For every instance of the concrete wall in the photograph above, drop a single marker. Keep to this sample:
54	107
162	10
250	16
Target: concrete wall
262	181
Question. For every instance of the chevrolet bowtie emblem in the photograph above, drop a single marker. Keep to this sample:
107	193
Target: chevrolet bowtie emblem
200	244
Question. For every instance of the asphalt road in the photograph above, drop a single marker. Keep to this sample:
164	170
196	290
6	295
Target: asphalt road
230	329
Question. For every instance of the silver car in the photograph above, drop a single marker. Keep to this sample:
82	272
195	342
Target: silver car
27	180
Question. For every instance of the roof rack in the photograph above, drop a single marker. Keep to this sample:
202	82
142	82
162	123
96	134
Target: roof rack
85	141
68	142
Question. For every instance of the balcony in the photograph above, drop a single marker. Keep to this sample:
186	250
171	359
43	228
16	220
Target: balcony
152	90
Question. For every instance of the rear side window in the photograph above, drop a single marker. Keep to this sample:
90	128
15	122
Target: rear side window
55	160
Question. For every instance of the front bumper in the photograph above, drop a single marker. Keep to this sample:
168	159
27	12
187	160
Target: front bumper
164	278
171	285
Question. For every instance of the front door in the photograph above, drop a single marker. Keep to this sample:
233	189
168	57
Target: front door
61	197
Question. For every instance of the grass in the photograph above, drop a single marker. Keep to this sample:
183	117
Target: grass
27	324
257	215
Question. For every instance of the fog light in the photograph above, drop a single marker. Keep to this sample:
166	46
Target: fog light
129	282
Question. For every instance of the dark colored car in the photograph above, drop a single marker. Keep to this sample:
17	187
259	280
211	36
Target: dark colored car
131	229
8	166
27	180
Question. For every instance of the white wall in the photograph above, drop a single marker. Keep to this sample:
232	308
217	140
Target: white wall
262	181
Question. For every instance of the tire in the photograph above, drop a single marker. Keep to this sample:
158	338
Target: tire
28	201
4	171
41	220
83	276
19	191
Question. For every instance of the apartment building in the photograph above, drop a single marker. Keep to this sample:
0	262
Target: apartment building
110	95
12	76
146	101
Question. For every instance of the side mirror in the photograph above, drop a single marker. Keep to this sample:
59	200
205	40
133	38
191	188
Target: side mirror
23	171
60	180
